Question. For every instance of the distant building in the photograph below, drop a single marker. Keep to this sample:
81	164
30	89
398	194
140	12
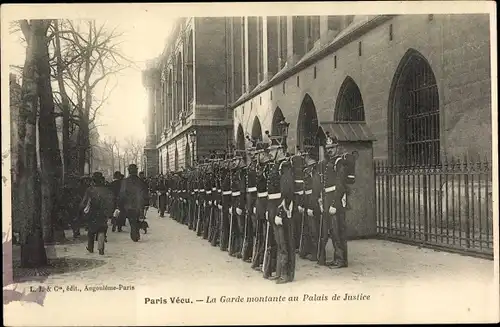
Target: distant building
420	83
187	95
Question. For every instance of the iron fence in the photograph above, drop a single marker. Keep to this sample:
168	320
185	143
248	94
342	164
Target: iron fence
446	206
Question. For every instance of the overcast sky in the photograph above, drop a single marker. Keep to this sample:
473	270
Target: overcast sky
146	27
124	113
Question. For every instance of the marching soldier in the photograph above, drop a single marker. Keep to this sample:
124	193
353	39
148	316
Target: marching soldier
162	195
273	201
200	200
260	207
226	203
251	197
284	225
192	199
298	204
241	204
312	209
235	237
217	207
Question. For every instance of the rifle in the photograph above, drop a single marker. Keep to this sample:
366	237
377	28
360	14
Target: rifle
321	165
230	245
267	252
303	216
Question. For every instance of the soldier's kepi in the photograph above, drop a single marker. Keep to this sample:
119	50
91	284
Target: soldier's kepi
237	204
262	226
251	196
279	210
338	172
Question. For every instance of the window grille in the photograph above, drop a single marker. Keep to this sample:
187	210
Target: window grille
349	103
176	160
416	115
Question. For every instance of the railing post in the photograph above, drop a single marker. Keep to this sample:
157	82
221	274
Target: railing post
425	185
467	202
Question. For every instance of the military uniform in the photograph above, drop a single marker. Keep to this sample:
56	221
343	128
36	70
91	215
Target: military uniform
235	241
273	201
297	162
285	239
162	196
313	212
251	217
226	205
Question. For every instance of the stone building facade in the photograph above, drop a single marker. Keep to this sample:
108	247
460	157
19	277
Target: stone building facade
420	83
187	95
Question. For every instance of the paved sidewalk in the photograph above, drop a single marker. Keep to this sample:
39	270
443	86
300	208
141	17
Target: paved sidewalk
171	251
170	260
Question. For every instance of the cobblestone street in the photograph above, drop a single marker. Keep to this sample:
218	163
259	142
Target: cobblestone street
170	260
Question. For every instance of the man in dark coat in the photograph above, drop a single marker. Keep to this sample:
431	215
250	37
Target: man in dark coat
161	188
98	203
133	198
115	185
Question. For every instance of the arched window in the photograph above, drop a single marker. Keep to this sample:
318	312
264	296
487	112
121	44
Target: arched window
277	118
307	123
349	106
176	159
187	154
178	86
168	161
161	161
170	109
256	129
189	66
240	138
414	113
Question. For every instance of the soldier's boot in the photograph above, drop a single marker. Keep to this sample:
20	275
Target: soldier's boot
215	231
313	256
199	226
284	272
267	270
238	246
322	251
247	250
304	248
206	228
275	266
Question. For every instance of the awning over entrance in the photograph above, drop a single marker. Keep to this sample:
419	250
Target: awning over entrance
346	131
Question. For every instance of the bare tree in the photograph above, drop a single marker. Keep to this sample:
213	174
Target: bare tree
29	198
87	55
134	148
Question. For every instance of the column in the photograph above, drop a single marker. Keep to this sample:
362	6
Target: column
323	25
253	54
150	138
244	37
289	40
271	46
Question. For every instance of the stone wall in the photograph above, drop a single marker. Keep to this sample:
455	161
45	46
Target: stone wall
457	49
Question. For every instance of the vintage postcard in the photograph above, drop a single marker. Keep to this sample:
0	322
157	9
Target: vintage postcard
249	163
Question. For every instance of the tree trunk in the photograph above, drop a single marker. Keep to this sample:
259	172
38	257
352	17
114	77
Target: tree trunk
32	247
65	106
51	165
82	145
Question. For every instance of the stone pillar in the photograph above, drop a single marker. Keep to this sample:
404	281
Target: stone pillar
271	46
246	70
289	40
323	25
151	80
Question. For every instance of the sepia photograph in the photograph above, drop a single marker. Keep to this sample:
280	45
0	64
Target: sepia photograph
249	163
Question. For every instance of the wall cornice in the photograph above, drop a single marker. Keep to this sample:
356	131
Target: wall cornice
309	61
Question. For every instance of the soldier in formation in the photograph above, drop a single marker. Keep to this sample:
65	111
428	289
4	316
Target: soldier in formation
264	204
